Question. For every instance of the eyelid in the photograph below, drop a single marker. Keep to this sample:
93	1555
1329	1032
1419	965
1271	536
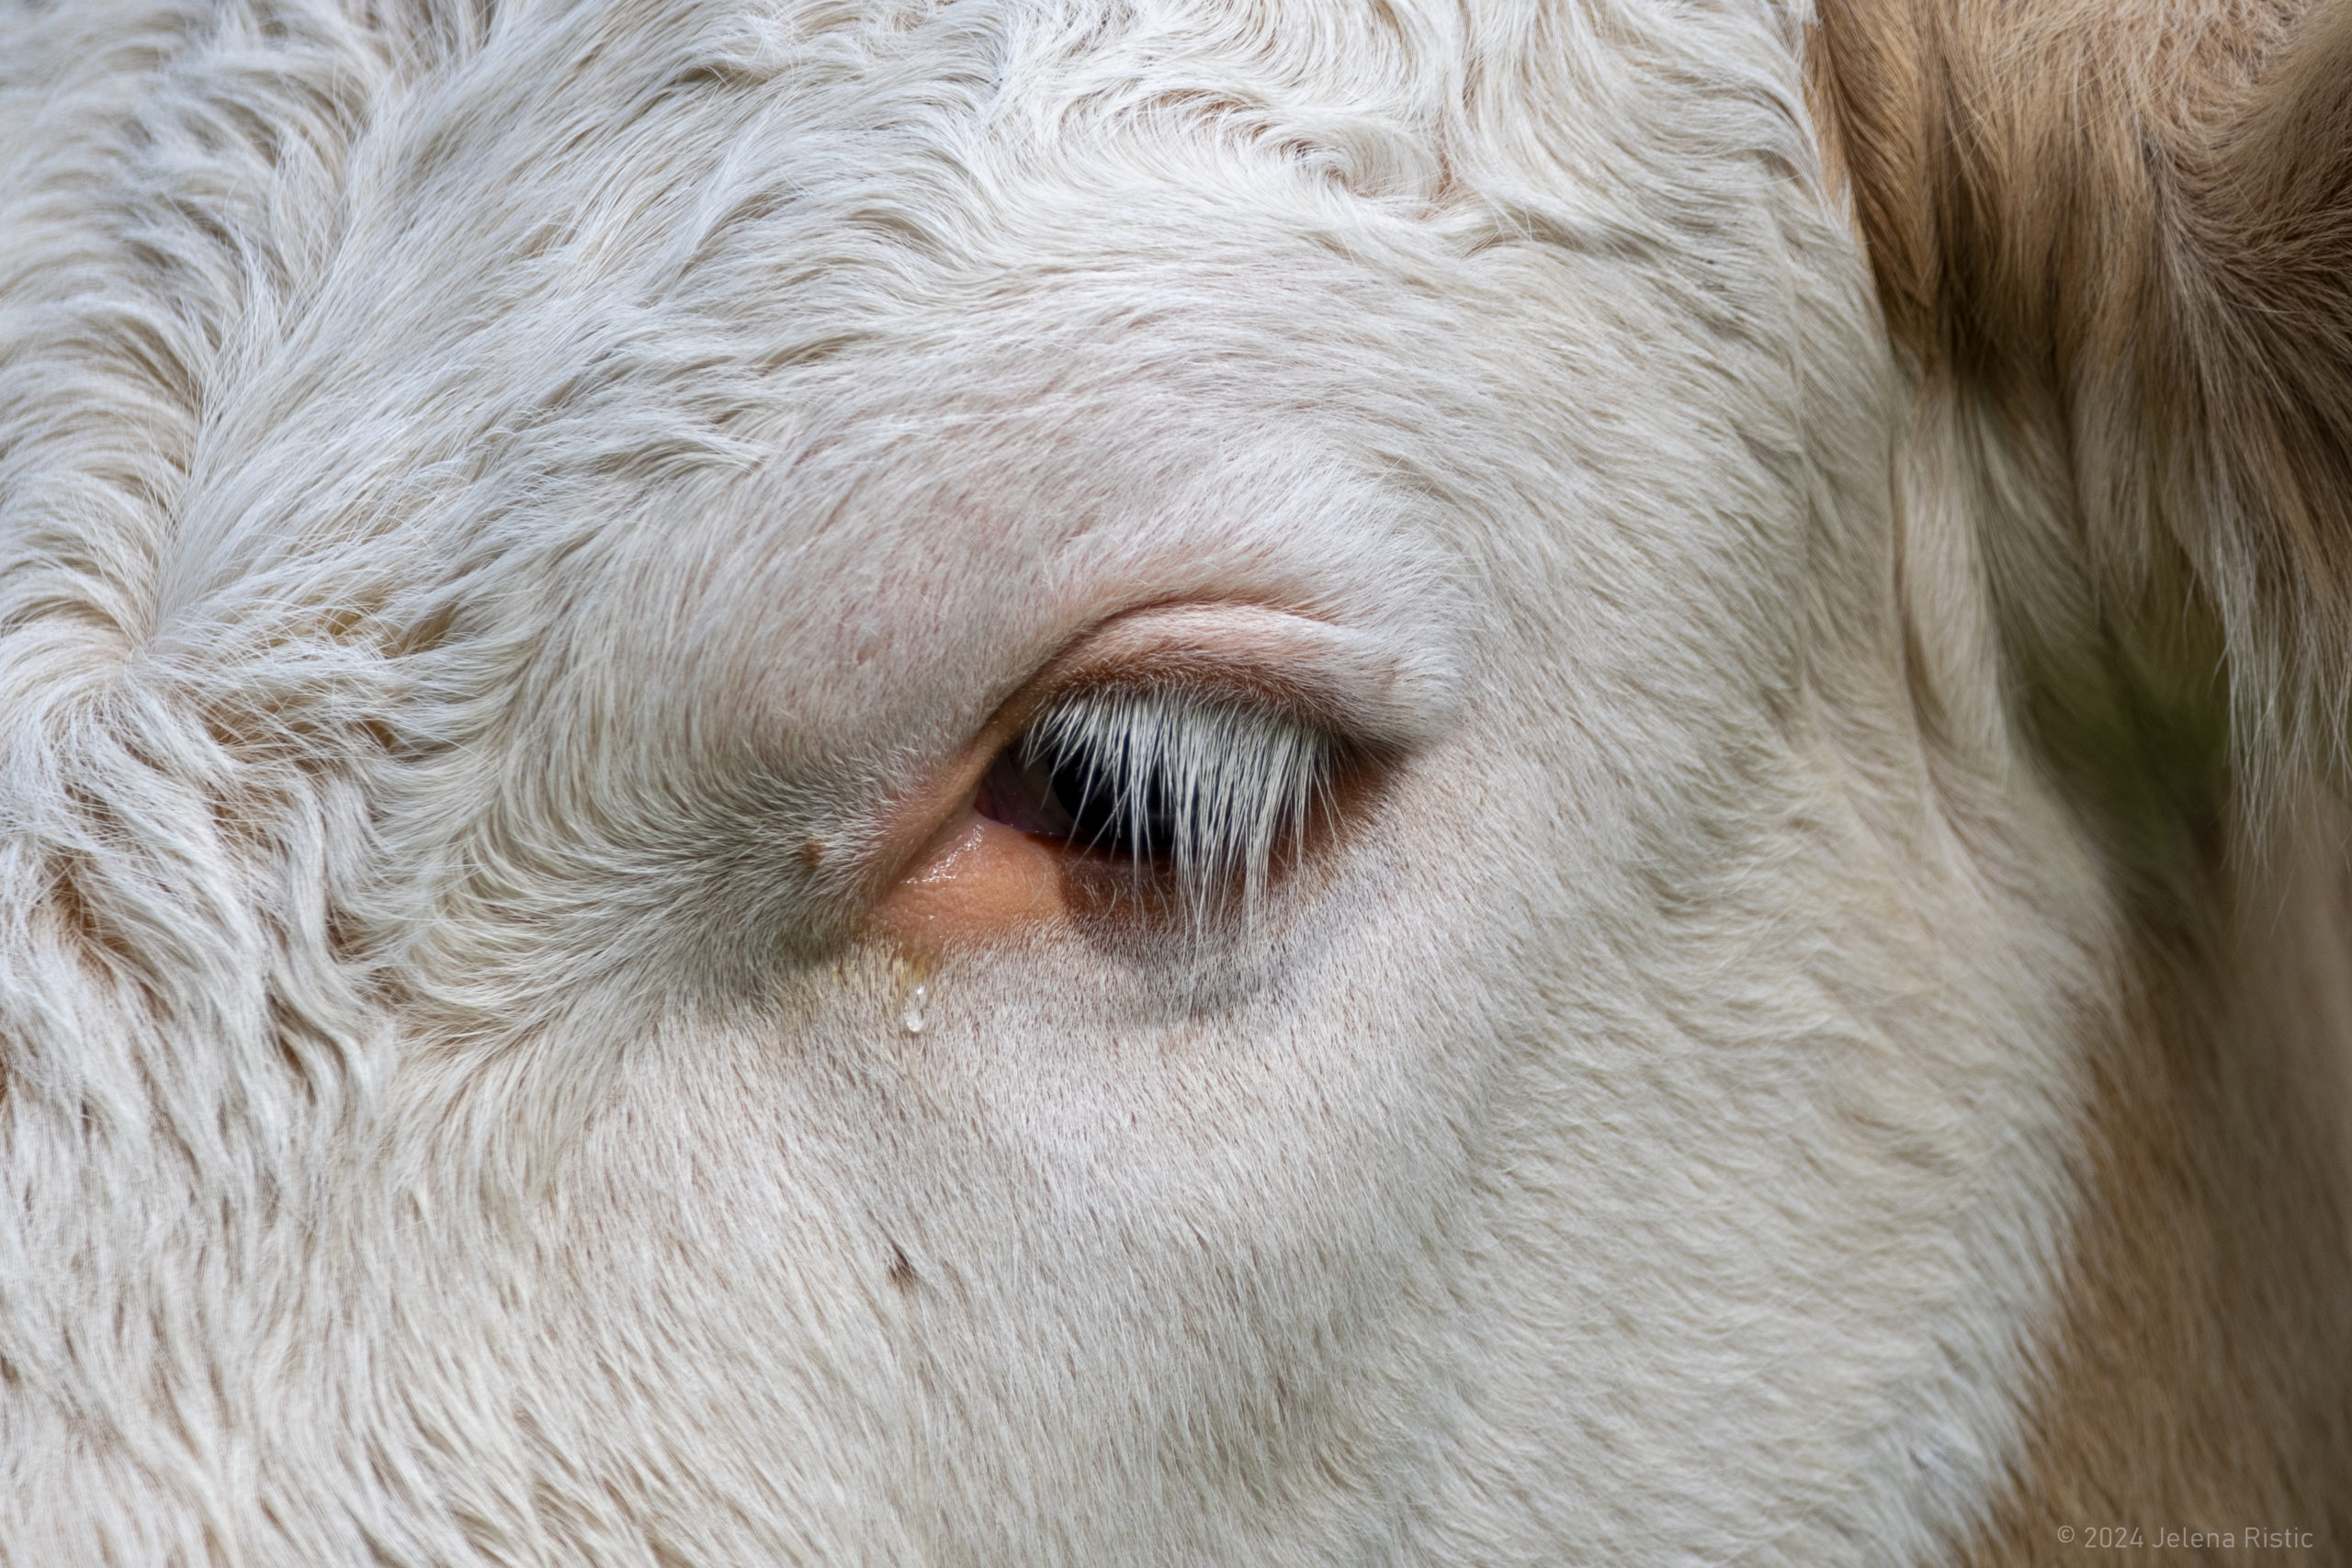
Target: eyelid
1355	687
1327	676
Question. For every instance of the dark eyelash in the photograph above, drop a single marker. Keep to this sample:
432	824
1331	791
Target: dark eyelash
1213	790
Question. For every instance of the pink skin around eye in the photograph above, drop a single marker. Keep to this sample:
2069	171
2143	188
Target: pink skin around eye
975	881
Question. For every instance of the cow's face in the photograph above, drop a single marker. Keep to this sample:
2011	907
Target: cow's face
1170	785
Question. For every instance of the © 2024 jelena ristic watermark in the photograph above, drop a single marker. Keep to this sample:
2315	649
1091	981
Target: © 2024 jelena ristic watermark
2142	1538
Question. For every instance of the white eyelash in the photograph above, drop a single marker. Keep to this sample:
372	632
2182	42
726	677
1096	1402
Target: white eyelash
1230	783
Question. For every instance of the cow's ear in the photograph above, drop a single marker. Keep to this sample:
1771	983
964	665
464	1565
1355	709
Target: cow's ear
2119	237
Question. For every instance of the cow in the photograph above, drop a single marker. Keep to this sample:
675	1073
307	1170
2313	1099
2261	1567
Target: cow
1175	782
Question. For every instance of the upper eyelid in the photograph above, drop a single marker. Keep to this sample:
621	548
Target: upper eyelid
1205	704
1206	700
1333	678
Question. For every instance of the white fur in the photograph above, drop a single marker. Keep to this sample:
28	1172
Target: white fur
479	493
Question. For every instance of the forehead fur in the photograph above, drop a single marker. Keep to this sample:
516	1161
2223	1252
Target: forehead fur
632	239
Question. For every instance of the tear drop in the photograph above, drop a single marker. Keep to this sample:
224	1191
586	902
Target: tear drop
910	1017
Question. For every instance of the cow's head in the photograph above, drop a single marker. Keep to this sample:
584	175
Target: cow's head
1017	783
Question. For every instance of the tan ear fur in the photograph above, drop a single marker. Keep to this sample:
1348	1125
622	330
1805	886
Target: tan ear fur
2126	228
2115	239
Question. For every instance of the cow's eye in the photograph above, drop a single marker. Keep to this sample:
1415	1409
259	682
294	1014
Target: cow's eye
1207	793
